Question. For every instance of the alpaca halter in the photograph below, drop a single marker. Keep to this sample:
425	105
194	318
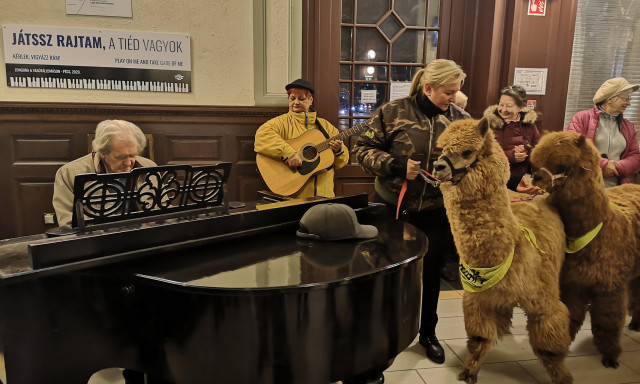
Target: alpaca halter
552	176
557	176
481	279
455	171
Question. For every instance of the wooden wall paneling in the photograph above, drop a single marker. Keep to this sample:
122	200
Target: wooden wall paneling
321	54
42	137
543	42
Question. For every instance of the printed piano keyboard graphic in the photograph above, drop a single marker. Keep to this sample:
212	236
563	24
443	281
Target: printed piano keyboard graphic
118	85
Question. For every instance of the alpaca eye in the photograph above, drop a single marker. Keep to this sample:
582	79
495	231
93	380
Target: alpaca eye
561	169
466	154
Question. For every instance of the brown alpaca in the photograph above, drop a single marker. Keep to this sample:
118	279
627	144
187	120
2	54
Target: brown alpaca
486	227
594	278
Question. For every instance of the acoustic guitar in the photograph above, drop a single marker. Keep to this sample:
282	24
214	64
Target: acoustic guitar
312	148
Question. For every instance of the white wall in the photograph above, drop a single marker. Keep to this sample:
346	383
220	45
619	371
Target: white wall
222	48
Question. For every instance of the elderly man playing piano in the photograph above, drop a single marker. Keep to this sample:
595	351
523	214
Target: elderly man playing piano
116	148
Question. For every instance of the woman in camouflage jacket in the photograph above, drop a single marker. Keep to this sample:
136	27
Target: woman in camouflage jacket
399	142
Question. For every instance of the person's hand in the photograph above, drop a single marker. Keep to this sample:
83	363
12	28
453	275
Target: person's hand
335	145
520	153
413	169
525	186
294	161
610	169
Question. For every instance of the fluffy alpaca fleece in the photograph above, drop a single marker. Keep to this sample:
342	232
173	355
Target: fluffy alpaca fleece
596	277
486	228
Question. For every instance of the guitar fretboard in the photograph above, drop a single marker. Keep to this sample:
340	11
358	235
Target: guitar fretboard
341	136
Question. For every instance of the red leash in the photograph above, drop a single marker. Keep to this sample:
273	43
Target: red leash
429	178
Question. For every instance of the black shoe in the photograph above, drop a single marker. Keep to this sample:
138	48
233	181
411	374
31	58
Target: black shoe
434	350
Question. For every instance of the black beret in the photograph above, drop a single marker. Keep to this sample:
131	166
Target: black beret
300	83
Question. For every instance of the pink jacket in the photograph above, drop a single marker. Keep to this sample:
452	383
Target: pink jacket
586	123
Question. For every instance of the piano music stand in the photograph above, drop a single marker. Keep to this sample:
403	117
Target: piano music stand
148	194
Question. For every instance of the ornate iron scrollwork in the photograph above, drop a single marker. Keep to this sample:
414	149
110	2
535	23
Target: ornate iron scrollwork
151	193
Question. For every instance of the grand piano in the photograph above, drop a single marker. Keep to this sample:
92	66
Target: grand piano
189	288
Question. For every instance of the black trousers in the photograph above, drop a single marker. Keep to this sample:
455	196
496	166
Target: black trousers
434	223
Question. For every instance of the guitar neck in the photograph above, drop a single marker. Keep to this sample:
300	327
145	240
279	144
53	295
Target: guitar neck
341	136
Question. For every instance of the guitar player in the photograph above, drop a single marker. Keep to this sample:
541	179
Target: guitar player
275	140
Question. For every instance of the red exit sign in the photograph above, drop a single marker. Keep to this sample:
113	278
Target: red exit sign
537	7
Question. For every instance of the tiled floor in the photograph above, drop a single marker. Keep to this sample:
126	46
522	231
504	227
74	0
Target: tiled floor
510	362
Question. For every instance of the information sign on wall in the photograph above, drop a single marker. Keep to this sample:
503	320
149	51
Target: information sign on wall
534	80
52	57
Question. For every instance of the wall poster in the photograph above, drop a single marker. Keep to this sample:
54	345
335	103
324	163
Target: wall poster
57	57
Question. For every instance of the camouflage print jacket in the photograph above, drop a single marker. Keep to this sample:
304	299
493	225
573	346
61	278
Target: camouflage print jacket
399	129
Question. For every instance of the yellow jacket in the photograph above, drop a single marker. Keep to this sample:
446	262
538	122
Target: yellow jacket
270	141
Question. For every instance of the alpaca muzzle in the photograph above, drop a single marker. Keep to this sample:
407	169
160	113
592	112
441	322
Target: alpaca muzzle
446	171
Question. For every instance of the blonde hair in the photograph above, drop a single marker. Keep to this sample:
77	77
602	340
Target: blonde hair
437	73
461	100
124	130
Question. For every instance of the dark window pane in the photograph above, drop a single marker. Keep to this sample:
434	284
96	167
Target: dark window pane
432	45
370	11
347	11
412	12
370	46
343	124
403	73
409	47
390	26
434	14
345	99
346	44
371	72
345	72
367	97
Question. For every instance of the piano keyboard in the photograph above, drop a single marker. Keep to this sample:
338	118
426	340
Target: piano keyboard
119	85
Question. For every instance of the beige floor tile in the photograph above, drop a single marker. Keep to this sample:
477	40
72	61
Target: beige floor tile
635	335
583	344
585	370
414	357
510	348
448	295
518	323
403	377
450	308
451	328
502	373
631	360
107	376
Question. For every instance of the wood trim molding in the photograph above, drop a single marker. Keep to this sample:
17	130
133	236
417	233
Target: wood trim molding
14	110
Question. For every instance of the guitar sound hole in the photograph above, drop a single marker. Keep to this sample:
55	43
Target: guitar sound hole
309	153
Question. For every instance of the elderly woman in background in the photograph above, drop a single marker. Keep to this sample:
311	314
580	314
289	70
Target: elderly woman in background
514	126
614	136
398	145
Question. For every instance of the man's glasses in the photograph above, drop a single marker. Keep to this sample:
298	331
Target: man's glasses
626	99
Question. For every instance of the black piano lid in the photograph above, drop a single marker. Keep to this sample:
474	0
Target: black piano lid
37	255
278	259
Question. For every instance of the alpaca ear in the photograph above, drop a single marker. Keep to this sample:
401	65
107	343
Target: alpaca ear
483	126
580	141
